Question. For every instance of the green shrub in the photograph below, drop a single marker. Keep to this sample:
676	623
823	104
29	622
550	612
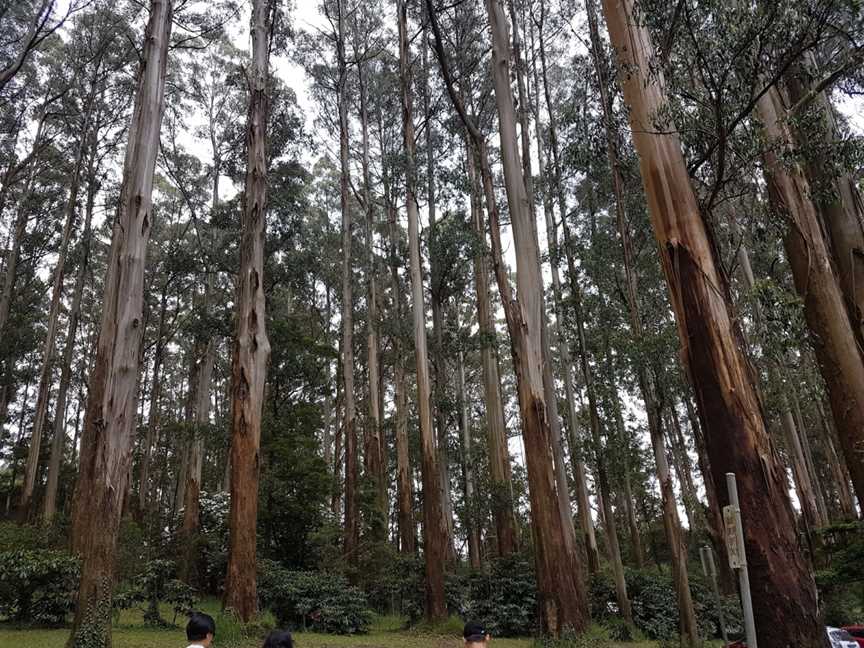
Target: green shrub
594	638
316	601
15	537
655	605
234	633
213	541
37	586
503	596
619	630
156	585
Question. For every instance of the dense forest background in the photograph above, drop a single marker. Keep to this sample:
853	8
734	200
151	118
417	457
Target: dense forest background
432	308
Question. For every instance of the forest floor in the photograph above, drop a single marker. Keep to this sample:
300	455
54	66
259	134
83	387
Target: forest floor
386	632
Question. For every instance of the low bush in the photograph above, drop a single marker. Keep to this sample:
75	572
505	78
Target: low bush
37	586
841	577
317	601
503	596
655	605
154	586
15	537
235	633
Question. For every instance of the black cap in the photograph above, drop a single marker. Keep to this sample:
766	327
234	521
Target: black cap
474	632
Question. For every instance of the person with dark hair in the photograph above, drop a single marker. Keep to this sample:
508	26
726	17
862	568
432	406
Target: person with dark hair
279	639
476	635
200	630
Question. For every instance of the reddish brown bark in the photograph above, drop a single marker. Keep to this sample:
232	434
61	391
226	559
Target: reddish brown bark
251	346
561	591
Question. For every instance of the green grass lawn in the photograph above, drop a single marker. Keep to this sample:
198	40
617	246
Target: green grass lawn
131	636
386	632
130	632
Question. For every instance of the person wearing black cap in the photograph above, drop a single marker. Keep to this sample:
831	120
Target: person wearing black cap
200	630
476	635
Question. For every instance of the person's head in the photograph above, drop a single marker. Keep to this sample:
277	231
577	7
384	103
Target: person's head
475	634
201	628
279	639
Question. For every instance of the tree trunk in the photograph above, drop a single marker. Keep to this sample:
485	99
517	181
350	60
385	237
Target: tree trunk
681	461
600	448
815	478
351	534
784	593
440	369
106	444
800	471
561	593
833	337
55	462
435	529
45	374
13	473
844	494
625	495
672	525
338	438
471	520
251	345
205	354
374	450
714	513
153	412
404	484
579	473
566	370
633	523
837	197
496	429
562	597
548	377
20	229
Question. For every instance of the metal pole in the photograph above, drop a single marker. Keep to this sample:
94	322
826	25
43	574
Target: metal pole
710	571
743	576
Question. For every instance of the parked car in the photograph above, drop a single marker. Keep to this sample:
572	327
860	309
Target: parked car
857	632
841	638
837	637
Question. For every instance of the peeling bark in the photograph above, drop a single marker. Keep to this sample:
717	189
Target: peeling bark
106	444
251	351
784	592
